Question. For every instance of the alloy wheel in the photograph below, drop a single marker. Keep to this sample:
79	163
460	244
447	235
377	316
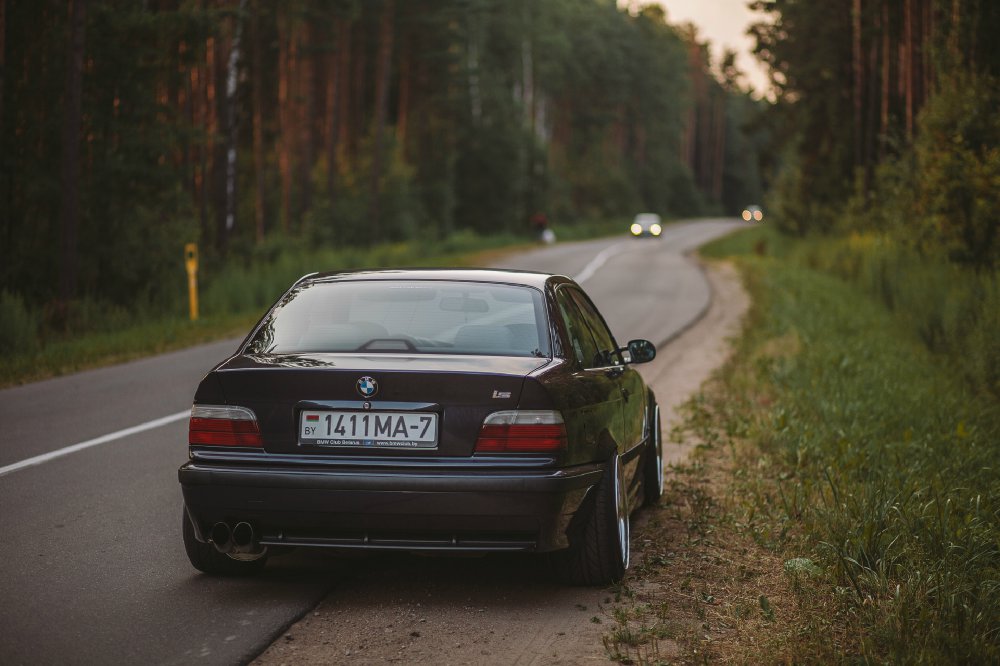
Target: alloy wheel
621	513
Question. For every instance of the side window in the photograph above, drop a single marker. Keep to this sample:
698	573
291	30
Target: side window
607	349
580	340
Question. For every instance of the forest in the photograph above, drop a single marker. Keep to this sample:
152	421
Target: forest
889	153
128	129
270	133
891	124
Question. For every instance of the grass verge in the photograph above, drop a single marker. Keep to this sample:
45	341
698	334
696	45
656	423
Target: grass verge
844	504
952	309
72	354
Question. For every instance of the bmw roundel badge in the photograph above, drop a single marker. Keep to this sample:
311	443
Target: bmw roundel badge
367	387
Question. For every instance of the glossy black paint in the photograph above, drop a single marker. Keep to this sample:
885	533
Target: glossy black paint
448	498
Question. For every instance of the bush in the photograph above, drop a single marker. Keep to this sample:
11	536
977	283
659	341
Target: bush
957	184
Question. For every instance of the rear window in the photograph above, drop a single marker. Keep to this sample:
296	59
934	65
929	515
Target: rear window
429	317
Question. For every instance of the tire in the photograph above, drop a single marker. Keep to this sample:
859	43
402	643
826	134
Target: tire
601	555
652	472
205	558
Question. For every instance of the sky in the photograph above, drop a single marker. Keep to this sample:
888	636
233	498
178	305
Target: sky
724	24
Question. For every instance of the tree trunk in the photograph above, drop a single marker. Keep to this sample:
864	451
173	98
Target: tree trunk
333	70
206	86
232	79
381	110
257	82
857	69
928	46
528	83
955	34
691	129
344	96
181	102
3	58
404	90
306	108
286	47
8	223
219	130
719	150
472	56
886	90
871	130
356	124
70	167
908	63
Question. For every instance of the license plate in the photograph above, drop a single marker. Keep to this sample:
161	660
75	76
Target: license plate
379	430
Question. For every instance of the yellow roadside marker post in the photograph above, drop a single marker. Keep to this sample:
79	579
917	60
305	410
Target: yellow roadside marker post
191	263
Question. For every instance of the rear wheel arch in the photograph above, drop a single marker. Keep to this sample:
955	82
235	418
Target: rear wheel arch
599	549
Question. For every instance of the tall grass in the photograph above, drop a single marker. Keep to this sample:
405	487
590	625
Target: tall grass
953	309
868	452
18	325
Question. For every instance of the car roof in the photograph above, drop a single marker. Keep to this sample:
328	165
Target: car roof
486	275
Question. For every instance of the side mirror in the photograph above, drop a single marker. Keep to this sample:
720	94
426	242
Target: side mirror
640	351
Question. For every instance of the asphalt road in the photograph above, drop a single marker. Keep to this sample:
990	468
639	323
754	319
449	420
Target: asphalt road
92	567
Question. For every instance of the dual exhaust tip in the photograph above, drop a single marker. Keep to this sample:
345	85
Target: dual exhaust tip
237	539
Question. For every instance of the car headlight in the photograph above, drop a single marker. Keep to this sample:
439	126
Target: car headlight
757	215
636	228
746	215
655	229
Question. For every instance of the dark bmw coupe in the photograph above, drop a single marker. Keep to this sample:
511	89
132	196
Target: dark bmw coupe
424	410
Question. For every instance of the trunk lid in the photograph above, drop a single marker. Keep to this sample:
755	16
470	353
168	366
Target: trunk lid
462	390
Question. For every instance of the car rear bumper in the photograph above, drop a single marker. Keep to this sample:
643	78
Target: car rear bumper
439	510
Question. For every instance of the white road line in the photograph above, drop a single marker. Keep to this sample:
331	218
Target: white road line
103	439
598	261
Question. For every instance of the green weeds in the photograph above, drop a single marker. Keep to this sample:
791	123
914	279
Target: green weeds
863	453
636	633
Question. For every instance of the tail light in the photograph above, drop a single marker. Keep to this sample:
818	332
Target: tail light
522	431
223	425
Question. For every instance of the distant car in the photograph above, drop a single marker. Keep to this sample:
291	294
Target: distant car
646	224
753	213
455	411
